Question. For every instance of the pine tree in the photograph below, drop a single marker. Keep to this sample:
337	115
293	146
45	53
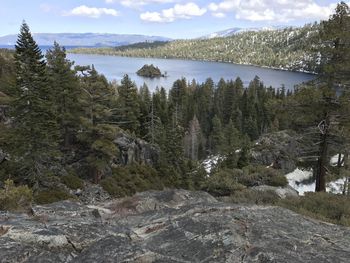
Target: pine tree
335	55
33	140
232	136
192	139
217	136
66	92
129	109
97	134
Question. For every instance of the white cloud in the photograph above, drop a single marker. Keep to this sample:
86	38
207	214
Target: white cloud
272	10
219	15
93	12
186	11
151	17
139	3
224	6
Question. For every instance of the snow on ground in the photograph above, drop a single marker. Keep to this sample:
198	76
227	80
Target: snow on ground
334	159
296	177
337	186
299	175
211	162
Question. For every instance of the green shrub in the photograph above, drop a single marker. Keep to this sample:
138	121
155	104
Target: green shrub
261	175
51	196
223	183
111	186
72	181
324	206
15	198
130	179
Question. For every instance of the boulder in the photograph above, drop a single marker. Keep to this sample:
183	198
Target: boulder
135	150
279	150
282	192
92	193
168	226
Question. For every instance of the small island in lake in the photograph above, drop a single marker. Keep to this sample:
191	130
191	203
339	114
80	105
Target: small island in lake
150	71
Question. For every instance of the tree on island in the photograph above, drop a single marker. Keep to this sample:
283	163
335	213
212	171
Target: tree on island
150	71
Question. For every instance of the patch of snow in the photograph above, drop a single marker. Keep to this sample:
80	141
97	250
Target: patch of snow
299	175
211	162
336	187
296	178
334	159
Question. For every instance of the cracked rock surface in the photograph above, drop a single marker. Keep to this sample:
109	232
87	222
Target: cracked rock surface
168	226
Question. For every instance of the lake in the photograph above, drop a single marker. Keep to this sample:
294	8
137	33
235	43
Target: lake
114	68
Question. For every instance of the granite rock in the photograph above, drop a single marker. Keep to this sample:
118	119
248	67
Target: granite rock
168	226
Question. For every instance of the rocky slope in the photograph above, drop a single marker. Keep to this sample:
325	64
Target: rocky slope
279	150
168	226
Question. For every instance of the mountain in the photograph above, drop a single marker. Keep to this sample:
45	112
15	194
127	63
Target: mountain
291	48
85	39
236	30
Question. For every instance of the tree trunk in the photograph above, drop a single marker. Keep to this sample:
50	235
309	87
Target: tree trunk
340	162
95	174
321	164
66	139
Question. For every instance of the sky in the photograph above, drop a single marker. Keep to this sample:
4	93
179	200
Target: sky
169	18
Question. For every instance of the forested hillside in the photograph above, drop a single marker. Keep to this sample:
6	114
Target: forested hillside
63	127
290	48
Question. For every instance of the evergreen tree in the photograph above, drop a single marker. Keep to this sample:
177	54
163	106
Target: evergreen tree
129	108
232	136
33	140
217	136
97	133
192	139
66	92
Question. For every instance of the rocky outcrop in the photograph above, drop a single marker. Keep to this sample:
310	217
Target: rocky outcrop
279	150
168	226
281	192
91	194
135	150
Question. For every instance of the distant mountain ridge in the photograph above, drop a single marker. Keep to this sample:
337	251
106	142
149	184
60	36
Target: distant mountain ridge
85	39
236	30
289	48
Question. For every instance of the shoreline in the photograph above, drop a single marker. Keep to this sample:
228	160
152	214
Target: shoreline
193	59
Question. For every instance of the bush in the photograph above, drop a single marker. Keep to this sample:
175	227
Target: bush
260	175
223	183
14	198
324	206
72	181
111	186
51	196
130	179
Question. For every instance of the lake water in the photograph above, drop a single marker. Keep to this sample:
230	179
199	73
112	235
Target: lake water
114	68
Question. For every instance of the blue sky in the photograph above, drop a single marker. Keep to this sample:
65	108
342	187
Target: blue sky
170	18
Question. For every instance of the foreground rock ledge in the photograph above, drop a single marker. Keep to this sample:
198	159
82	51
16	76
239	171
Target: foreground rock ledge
168	226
